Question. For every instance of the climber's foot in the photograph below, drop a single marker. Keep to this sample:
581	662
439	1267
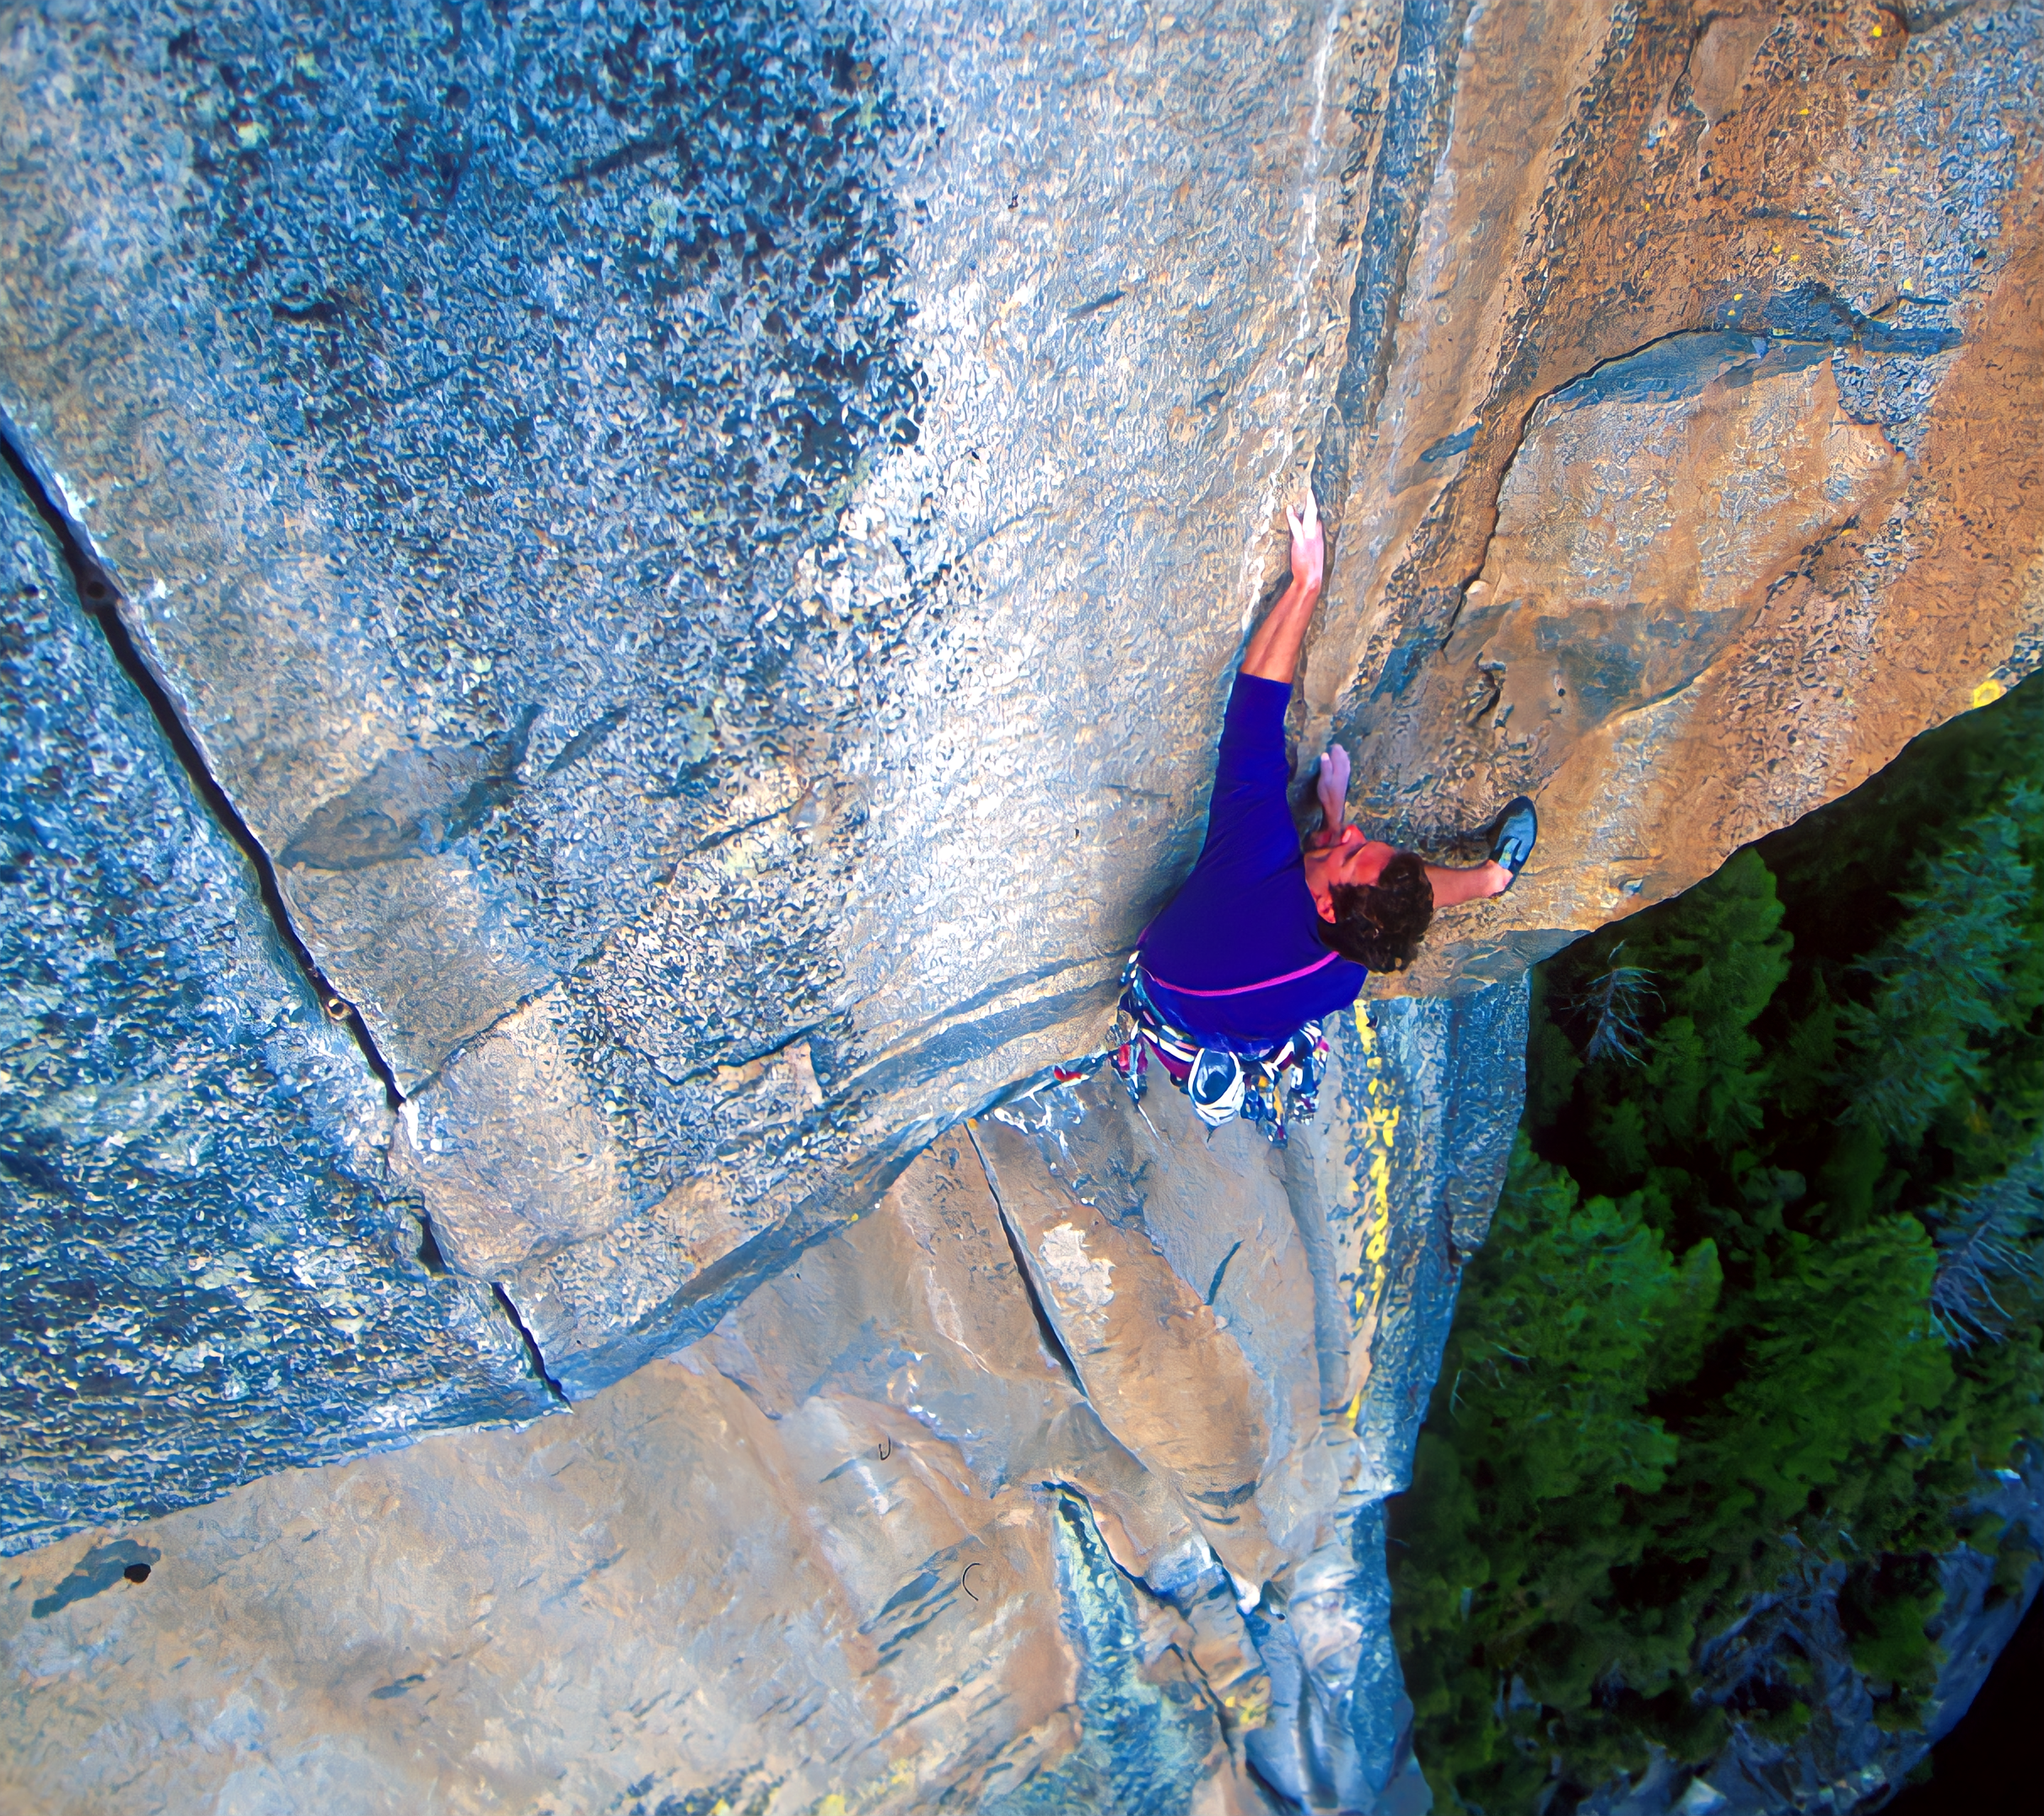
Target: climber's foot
1512	835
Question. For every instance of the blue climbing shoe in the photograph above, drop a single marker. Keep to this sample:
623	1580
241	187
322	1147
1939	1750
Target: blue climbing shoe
1512	836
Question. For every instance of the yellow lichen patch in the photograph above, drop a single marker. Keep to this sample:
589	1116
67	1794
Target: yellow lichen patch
1252	1710
1988	692
1378	1125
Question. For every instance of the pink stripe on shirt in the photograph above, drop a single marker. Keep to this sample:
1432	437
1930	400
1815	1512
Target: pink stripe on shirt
1243	990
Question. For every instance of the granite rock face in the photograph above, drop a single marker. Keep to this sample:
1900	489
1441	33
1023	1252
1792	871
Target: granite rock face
1052	1484
703	546
203	1279
706	543
1683	478
611	497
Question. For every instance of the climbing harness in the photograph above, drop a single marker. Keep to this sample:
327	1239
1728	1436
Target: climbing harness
1270	1088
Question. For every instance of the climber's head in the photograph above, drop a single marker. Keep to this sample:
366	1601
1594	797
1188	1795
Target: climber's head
1375	900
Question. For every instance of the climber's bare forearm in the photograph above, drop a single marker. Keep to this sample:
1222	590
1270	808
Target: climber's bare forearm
1478	884
1334	821
1273	650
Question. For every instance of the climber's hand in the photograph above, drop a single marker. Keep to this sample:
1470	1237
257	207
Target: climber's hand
1273	654
1333	788
1309	548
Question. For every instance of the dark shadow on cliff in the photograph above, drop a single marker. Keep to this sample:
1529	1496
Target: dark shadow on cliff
1986	1762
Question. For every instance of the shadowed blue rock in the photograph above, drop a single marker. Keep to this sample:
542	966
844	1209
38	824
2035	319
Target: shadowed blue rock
1141	1743
200	1282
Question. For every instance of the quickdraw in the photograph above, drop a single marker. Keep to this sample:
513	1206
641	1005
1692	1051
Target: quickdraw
1270	1089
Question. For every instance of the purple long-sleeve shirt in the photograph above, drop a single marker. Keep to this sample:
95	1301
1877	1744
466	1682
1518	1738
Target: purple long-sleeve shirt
1238	953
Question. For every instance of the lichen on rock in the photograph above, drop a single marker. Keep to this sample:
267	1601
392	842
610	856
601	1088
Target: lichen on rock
704	544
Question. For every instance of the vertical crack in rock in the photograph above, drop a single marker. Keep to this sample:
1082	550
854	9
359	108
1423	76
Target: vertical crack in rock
1220	1273
1415	116
533	1351
101	599
206	1278
1047	1332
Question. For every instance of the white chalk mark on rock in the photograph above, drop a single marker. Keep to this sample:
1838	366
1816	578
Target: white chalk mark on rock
1083	1282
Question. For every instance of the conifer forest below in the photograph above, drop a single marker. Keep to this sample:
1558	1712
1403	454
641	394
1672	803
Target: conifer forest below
1760	1310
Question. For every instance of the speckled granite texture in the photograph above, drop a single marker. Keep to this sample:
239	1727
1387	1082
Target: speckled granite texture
701	547
203	1280
1053	1483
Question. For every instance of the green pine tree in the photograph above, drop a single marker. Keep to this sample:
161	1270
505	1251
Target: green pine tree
1765	1121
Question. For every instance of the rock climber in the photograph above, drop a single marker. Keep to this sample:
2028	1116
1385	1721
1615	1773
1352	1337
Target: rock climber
1230	984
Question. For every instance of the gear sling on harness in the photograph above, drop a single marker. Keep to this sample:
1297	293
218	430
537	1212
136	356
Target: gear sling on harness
1268	1088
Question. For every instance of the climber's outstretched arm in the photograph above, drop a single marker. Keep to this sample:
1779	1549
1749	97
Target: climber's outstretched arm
1273	650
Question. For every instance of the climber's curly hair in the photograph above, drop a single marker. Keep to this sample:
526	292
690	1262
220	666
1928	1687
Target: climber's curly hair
1379	924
